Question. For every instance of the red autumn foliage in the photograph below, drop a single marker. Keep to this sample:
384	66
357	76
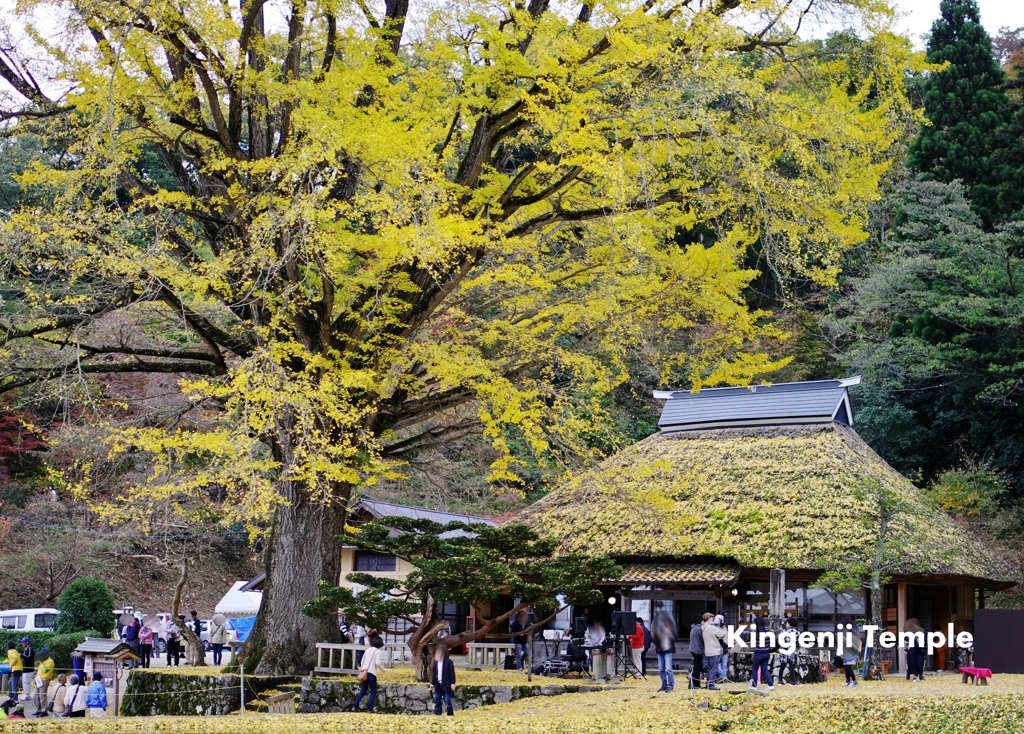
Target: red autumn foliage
19	446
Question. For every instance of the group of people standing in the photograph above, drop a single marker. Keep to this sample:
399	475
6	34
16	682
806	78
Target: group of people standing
35	672
710	656
710	653
141	639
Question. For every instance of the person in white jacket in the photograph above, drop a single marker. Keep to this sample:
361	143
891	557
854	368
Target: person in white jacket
373	666
74	697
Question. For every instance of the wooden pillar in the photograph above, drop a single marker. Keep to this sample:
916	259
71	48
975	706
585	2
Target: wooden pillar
901	620
981	598
777	598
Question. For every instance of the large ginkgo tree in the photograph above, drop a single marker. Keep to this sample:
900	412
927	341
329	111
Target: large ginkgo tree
348	230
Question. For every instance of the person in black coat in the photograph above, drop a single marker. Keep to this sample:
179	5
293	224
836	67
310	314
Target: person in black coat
442	683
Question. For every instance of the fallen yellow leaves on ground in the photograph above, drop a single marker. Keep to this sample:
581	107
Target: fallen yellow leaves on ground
940	705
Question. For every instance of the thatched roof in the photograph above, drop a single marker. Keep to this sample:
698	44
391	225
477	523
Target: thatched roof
766	497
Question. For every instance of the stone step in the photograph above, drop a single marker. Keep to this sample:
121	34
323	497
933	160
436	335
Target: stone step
259	705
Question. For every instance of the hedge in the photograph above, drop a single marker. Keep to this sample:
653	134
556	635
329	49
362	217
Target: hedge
60	646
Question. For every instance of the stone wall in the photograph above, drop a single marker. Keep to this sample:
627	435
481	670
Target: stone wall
148	692
325	695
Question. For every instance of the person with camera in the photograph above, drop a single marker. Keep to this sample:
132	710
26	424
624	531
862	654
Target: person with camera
713	648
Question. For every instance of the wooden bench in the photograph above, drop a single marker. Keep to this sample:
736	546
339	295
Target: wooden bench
282	703
978	676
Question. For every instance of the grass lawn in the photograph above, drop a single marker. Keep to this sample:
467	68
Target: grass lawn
941	705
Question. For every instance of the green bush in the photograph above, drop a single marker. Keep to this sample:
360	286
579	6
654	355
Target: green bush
969	492
86	604
60	645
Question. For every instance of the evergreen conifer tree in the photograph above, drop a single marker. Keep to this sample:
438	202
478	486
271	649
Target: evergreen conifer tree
970	136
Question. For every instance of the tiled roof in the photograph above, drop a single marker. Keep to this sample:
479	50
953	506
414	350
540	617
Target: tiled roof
641	574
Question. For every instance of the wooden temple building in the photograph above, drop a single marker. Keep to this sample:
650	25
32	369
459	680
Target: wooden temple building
743	480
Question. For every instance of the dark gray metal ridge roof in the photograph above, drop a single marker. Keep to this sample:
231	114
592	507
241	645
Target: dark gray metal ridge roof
389	509
791	403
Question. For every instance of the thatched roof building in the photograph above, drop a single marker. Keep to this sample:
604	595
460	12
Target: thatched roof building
743	480
762	497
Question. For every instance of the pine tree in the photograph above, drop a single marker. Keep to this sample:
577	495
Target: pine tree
969	136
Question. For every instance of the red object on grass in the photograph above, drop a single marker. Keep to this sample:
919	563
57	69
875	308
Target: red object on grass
977	672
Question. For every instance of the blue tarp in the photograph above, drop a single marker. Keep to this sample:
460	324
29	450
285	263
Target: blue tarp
243	625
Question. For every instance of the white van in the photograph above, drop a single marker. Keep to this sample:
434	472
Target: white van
39	619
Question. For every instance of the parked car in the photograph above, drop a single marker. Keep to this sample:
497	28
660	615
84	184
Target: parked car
35	619
204	634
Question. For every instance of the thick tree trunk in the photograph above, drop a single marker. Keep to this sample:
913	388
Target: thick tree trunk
421	640
193	655
302	551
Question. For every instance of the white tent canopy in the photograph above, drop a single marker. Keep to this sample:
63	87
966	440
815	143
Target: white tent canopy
237	603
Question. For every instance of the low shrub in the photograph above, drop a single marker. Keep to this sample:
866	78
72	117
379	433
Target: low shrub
60	646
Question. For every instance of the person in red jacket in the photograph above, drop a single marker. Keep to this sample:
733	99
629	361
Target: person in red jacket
636	643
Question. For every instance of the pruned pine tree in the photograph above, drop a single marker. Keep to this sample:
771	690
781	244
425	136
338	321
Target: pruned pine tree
460	563
340	224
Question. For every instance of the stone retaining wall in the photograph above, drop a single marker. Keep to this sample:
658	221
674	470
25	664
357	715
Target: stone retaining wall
807	667
148	692
322	695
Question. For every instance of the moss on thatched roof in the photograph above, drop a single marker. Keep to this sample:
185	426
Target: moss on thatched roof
767	497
